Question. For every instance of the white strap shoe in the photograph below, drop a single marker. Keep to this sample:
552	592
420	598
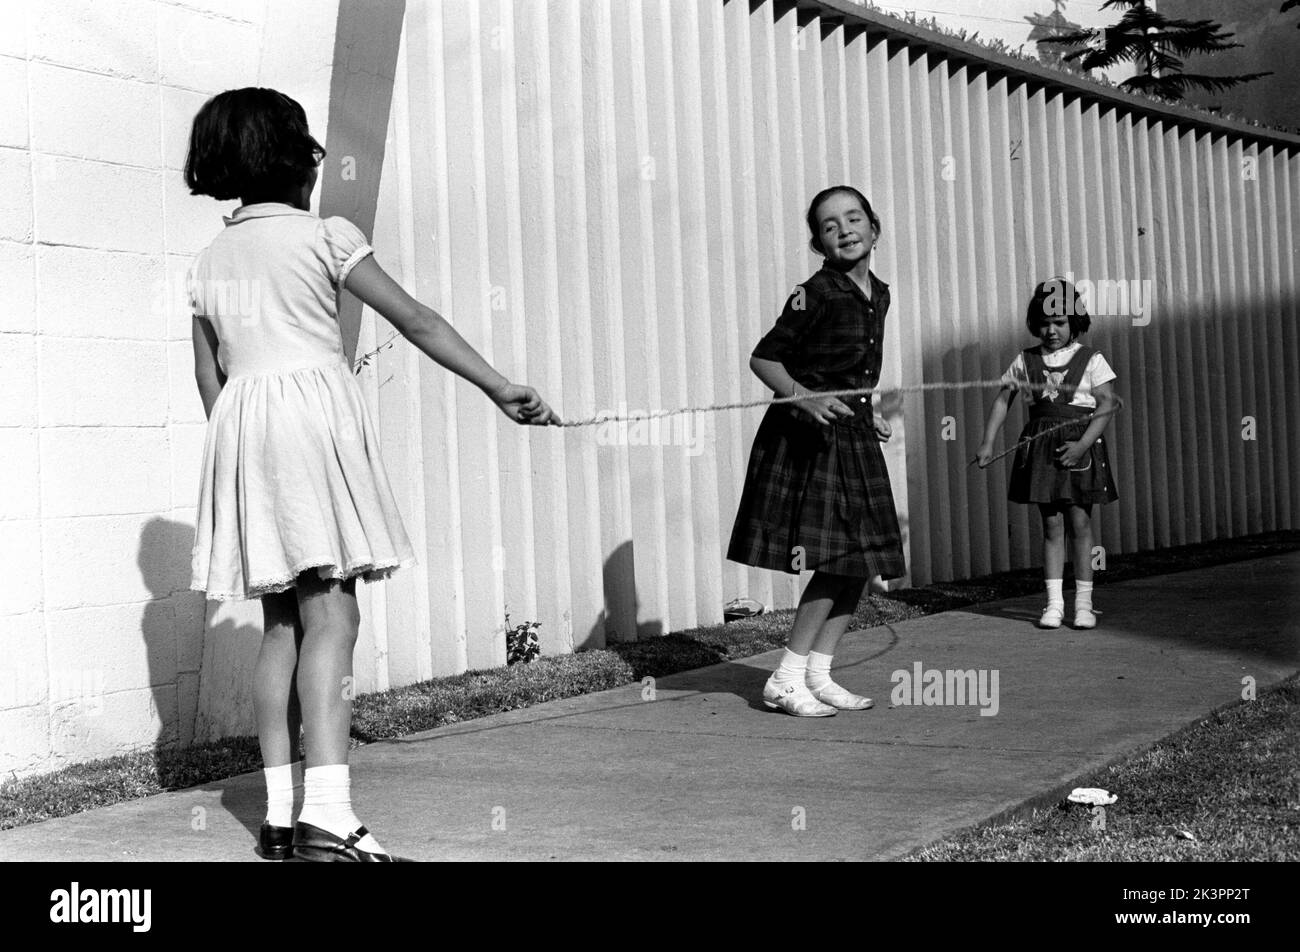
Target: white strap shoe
793	697
841	698
1085	618
1052	617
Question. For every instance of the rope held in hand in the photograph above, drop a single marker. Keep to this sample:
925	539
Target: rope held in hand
1050	430
773	401
860	391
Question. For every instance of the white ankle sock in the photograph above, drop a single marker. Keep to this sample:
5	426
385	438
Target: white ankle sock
792	667
819	670
1055	596
1082	596
327	803
281	782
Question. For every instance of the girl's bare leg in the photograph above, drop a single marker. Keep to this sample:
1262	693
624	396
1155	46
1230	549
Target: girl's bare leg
815	607
841	614
1053	541
275	697
1081	542
330	619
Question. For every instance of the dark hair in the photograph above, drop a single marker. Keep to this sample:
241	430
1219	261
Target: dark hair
248	142
1056	297
816	243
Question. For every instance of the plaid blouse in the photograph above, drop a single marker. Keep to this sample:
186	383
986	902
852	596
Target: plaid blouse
829	336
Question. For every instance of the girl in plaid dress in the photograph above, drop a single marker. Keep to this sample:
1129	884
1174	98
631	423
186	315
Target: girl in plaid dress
817	494
1064	469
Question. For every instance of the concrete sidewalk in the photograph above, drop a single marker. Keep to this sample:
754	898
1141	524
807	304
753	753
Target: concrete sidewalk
703	771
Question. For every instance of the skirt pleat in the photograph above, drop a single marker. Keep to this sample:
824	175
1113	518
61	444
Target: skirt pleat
1038	477
292	480
817	498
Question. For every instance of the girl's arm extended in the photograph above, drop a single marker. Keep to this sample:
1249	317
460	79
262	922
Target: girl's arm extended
437	339
1072	453
207	372
779	381
997	416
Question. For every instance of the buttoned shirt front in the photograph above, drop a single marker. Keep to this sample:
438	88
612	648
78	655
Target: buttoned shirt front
830	334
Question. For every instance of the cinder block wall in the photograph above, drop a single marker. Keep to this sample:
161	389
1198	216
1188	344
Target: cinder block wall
101	428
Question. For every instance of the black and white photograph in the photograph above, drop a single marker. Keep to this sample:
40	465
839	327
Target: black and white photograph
651	431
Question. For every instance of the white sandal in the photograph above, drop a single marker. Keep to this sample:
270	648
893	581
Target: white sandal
793	697
1052	617
841	698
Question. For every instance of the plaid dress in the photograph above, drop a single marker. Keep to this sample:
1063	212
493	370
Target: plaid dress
817	497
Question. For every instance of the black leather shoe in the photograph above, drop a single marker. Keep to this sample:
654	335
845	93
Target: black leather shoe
311	844
275	842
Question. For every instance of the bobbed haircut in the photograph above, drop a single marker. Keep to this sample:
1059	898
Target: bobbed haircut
250	141
1053	298
816	243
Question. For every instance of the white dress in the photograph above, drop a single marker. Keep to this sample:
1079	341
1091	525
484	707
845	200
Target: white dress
292	478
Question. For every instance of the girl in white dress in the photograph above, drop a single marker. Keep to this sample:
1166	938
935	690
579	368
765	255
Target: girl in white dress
294	502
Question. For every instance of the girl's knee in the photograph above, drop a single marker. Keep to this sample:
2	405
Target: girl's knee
328	603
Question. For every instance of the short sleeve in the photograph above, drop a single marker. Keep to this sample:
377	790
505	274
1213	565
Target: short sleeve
193	295
1016	376
1098	371
343	246
783	342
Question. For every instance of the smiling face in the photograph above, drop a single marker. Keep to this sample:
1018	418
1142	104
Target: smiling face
844	230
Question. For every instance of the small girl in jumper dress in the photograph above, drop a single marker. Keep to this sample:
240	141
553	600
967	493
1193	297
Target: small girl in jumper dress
1066	469
294	502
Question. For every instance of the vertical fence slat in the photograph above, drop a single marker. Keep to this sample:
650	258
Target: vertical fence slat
1000	246
704	528
665	210
605	221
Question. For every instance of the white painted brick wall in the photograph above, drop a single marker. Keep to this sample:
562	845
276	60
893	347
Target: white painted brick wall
114	644
206	53
111	560
179	107
85	292
13	118
20	566
118	38
25	740
103	382
23	669
19	488
15	195
68	116
186	444
13	38
114	724
17	380
94	205
18	278
185	405
73	459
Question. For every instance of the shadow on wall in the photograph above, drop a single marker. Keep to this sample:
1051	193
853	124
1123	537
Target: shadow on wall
200	668
200	653
618	622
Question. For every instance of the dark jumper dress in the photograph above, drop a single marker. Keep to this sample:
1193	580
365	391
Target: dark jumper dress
821	487
1037	475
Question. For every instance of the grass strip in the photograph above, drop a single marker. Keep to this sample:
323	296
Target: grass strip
1226	788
